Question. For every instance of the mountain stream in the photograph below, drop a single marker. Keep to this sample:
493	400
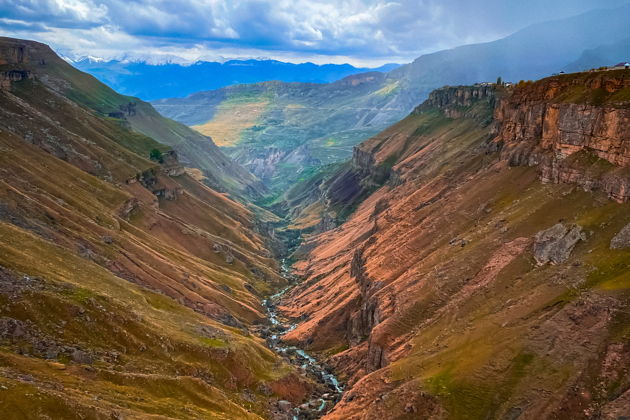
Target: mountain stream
328	391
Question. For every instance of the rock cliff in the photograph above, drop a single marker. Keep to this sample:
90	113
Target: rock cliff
435	299
452	101
574	127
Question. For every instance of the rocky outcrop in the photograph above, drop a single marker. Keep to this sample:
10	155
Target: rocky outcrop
365	166
263	162
366	317
128	207
555	244
573	127
621	239
455	101
170	164
10	76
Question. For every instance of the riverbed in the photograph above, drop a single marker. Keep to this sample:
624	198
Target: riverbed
329	389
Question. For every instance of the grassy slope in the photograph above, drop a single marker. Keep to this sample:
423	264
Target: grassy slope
78	272
194	149
153	356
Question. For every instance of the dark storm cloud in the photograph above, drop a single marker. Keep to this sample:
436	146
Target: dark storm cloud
360	28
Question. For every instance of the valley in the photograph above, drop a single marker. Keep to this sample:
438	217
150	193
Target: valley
282	132
455	252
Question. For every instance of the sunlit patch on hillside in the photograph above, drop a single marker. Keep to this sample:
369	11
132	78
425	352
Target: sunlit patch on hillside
231	119
388	89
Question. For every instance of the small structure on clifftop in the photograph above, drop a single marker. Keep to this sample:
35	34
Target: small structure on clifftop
622	65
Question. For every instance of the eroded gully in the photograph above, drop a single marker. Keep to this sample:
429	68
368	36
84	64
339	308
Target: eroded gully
328	390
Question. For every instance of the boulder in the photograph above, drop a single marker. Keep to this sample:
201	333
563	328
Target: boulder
82	357
555	244
622	239
285	406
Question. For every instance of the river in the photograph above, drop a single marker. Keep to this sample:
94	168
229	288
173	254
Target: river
329	390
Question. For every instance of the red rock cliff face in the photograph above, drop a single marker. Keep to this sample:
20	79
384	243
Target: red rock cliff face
428	300
574	127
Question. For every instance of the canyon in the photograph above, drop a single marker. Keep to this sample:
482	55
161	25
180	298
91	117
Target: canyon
480	276
471	260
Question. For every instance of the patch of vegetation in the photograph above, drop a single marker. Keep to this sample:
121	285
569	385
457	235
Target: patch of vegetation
213	342
430	122
611	271
389	162
156	155
389	89
337	350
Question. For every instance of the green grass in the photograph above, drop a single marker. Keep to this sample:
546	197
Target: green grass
213	342
390	161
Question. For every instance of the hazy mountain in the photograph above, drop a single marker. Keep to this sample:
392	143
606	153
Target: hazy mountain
531	53
604	55
150	79
278	130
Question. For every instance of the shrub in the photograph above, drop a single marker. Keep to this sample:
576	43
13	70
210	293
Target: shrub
156	155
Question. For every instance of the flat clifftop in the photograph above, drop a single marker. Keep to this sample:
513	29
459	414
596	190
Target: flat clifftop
598	88
450	97
23	52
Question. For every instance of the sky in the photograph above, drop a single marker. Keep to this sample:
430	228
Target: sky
360	32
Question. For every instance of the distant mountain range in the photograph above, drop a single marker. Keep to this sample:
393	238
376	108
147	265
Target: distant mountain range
150	78
278	130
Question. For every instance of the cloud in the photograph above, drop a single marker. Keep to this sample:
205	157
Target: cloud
55	13
377	30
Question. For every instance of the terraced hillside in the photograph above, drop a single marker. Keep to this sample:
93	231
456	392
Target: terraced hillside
487	273
127	287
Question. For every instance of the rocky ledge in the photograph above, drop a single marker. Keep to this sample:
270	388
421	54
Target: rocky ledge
574	127
455	101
